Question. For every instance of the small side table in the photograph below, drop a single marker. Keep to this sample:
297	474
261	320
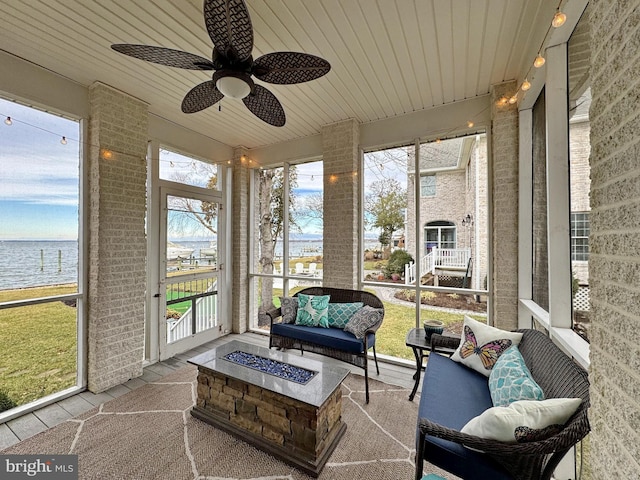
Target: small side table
417	340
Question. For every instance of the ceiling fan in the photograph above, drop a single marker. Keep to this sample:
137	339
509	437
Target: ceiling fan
229	26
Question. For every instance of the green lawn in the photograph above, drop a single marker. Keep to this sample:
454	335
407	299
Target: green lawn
38	345
398	320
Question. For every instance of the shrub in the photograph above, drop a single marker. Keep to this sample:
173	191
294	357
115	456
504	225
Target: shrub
427	295
6	403
397	260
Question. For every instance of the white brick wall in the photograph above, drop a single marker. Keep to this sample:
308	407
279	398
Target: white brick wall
614	266
117	243
341	207
240	241
504	144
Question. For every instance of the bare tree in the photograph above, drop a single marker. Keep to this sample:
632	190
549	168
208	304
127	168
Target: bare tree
270	226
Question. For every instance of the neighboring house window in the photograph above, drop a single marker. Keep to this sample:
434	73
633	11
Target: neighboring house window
580	236
439	235
427	185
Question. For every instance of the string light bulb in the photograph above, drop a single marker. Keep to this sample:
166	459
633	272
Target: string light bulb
539	61
513	99
470	124
526	85
558	19
63	140
8	121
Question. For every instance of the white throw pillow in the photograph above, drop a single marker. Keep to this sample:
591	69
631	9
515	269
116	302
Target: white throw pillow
523	420
481	345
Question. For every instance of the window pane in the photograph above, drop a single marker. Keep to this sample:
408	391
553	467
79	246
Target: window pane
451	222
387	201
427	185
540	262
305	226
579	170
455	219
302	264
188	170
39	215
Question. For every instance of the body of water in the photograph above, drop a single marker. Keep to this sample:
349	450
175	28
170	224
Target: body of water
37	263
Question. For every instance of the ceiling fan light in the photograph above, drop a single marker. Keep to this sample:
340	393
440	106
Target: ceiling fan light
233	87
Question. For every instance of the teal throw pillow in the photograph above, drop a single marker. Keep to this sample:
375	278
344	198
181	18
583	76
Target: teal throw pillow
313	310
341	313
510	380
364	319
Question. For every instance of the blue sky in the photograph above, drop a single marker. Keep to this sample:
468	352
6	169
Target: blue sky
39	176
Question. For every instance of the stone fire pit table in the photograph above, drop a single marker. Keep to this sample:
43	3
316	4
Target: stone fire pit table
296	416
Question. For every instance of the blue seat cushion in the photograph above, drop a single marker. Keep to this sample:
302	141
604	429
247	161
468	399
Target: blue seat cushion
326	337
453	394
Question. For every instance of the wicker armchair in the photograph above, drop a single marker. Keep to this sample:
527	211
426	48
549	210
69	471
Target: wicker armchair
560	377
338	295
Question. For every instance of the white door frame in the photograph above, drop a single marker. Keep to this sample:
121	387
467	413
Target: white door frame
167	350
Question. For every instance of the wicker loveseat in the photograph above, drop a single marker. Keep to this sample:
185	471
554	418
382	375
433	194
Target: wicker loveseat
453	394
331	342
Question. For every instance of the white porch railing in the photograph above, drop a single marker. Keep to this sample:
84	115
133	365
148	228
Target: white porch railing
205	317
438	258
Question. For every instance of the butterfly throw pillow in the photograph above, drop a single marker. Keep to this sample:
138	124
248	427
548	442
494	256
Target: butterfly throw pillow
481	345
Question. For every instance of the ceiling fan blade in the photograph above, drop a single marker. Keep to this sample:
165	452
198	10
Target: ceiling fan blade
289	67
229	26
264	105
164	56
200	97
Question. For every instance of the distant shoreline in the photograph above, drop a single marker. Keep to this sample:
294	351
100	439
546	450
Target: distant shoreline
38	287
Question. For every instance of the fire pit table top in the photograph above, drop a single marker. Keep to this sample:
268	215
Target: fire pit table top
314	392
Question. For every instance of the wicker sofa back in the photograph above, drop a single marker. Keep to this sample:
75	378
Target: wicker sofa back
558	376
330	342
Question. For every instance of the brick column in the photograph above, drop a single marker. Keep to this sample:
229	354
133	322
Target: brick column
341	208
504	147
118	133
614	243
240	241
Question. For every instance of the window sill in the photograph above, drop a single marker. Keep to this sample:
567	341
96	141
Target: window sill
572	343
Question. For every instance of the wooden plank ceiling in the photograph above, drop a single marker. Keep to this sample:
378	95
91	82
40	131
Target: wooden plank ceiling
388	57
